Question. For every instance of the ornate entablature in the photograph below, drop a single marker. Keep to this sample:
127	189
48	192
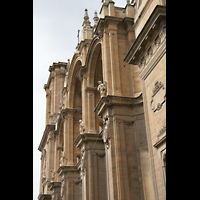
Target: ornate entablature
151	40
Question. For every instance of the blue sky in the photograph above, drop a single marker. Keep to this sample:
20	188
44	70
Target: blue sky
55	26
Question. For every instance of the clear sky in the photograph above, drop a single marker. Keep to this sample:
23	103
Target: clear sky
55	28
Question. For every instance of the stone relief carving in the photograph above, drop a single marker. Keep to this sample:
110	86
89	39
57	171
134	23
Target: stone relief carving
102	88
106	137
62	187
158	97
81	127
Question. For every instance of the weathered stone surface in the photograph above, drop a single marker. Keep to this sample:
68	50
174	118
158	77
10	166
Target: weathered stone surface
105	135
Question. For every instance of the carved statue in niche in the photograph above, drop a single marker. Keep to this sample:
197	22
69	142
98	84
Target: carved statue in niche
102	88
81	127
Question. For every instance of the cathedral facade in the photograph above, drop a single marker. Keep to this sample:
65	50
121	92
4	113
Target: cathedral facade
105	134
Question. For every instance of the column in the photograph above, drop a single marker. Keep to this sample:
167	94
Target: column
47	103
84	104
106	63
91	106
52	98
41	169
68	136
114	57
56	92
56	158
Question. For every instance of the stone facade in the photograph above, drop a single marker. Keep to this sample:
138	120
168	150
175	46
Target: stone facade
105	135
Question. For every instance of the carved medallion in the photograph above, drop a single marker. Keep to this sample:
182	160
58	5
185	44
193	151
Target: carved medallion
158	97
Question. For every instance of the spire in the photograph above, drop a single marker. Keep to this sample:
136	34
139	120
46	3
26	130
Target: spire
86	23
96	19
128	1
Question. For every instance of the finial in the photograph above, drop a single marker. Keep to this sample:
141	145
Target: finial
86	22
128	1
96	19
86	17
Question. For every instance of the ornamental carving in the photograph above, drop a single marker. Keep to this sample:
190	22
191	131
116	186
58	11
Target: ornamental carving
158	97
106	137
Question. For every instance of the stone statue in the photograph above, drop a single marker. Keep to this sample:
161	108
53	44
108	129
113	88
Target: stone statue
52	175
102	88
62	158
81	127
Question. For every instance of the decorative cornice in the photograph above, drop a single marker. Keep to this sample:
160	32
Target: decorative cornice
48	128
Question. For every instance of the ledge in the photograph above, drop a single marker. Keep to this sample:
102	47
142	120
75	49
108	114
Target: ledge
110	100
86	137
65	168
